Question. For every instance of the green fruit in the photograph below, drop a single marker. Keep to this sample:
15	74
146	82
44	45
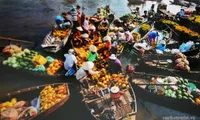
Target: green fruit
179	92
179	96
184	97
185	94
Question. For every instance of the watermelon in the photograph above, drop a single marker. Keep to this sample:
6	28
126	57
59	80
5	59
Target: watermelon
184	97
179	96
179	92
14	65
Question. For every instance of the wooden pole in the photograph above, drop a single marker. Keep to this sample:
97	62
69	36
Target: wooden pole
16	40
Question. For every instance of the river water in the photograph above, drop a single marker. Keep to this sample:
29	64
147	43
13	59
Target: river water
32	19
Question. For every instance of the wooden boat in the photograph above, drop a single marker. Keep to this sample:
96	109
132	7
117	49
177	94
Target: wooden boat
161	65
31	93
126	108
140	80
56	40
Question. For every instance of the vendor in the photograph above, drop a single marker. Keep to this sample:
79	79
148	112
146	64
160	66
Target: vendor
153	38
107	40
114	48
114	65
70	61
86	25
161	46
66	22
84	72
104	22
59	20
145	14
74	14
92	54
129	36
77	41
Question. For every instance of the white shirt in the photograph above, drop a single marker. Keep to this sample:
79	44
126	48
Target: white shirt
86	24
70	59
80	74
104	21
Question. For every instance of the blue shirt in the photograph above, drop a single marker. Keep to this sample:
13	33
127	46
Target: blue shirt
182	13
153	35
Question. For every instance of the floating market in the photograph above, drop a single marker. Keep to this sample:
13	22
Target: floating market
102	60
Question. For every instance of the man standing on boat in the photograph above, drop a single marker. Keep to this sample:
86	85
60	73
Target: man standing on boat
74	16
70	62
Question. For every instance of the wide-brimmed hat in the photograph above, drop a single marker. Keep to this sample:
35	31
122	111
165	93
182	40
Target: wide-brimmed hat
88	65
107	38
70	51
79	28
93	48
85	35
113	57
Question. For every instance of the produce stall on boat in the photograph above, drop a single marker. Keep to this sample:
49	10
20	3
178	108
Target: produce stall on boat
112	98
172	92
34	102
56	39
30	61
186	67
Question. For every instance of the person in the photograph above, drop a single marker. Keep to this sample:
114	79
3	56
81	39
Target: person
104	22
114	48
86	25
92	54
84	72
59	20
114	65
78	8
161	46
85	39
66	22
182	13
145	14
152	7
118	23
77	40
136	11
153	36
108	42
129	36
70	61
73	12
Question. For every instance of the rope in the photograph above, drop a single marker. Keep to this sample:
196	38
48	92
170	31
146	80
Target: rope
16	40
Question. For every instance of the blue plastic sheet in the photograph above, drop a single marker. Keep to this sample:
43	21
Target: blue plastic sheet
36	103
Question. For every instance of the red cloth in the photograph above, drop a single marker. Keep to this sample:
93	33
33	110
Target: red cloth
108	45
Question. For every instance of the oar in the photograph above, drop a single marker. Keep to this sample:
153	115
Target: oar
16	40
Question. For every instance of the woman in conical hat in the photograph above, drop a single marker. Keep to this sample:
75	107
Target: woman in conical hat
84	71
93	53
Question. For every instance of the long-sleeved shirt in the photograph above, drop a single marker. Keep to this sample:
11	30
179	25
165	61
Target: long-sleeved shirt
81	73
70	60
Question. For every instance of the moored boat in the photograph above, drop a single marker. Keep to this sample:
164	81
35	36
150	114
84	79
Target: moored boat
56	39
102	106
32	103
165	95
170	64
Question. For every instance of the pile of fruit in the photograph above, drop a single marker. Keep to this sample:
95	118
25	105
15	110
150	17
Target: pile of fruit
39	60
60	33
129	17
82	54
182	62
195	18
145	27
12	49
8	104
21	60
105	80
54	67
50	96
181	28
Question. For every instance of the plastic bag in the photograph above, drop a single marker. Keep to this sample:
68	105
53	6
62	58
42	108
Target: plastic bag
36	103
49	59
